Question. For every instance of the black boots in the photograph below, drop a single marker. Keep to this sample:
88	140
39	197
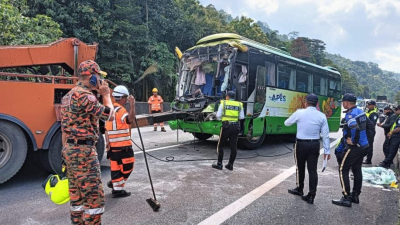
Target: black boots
344	201
296	191
354	198
229	166
367	162
110	184
309	198
217	165
120	194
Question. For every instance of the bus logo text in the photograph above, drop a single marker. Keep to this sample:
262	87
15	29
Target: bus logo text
280	98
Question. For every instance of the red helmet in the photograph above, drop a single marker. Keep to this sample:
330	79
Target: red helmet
89	67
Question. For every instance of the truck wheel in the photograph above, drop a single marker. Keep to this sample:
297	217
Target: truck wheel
55	148
44	160
202	136
13	150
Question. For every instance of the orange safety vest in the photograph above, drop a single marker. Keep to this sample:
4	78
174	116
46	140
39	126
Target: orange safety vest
155	103
118	129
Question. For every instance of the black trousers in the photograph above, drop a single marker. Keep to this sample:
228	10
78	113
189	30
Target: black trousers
386	146
352	159
230	133
394	143
370	149
307	152
339	157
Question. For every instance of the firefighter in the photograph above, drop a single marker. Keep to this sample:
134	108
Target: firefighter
230	112
80	114
372	115
156	106
119	144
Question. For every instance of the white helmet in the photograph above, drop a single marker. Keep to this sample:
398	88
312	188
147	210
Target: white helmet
120	91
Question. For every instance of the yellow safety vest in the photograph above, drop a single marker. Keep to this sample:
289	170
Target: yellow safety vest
231	110
372	111
395	123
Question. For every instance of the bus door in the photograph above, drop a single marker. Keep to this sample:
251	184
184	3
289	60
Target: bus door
259	101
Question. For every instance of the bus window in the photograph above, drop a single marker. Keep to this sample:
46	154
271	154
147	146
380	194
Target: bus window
260	90
320	85
334	88
303	82
286	77
270	75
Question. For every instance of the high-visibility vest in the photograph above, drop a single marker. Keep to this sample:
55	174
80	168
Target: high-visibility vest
155	103
395	123
375	110
118	129
231	110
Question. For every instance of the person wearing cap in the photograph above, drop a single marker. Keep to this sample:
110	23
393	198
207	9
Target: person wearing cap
230	112
386	125
394	140
80	114
355	136
118	142
372	115
311	125
156	106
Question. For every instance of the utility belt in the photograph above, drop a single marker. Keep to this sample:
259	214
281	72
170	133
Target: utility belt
81	142
307	140
227	124
126	148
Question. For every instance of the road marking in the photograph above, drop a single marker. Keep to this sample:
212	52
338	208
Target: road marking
160	148
230	210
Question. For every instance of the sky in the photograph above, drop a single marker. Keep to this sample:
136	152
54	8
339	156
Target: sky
364	30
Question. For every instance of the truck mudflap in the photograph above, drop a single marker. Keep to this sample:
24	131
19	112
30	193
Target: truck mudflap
149	119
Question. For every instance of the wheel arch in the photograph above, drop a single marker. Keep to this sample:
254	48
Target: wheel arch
52	131
23	126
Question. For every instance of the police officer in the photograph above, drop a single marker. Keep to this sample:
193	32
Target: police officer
230	112
394	140
390	119
119	144
311	125
355	136
80	113
372	115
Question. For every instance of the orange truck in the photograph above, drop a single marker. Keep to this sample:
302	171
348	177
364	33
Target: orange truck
30	104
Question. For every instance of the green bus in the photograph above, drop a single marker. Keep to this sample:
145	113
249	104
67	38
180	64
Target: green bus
268	81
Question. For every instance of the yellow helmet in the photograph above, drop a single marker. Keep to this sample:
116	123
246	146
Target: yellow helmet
155	90
57	189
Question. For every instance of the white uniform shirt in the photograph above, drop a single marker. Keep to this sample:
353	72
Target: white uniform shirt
311	124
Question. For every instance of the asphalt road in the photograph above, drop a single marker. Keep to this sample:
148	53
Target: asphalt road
191	192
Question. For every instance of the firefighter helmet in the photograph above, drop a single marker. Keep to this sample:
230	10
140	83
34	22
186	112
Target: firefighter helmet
57	189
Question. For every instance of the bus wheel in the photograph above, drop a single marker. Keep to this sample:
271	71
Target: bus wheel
252	143
55	148
44	160
202	136
13	150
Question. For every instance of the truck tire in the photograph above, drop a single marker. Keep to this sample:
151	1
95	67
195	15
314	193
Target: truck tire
55	148
13	150
202	136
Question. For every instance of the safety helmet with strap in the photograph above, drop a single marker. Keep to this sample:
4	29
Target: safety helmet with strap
57	189
120	91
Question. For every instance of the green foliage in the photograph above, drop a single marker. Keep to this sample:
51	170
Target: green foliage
16	29
247	28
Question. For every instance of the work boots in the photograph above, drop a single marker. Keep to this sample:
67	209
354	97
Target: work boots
120	194
296	191
217	165
110	184
344	201
367	162
309	198
229	166
354	197
155	128
163	129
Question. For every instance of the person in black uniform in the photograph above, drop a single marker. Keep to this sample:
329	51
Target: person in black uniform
390	119
394	140
230	112
355	136
372	115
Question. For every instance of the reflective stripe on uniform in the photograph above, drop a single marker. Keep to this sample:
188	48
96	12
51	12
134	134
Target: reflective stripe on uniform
78	208
119	182
94	211
120	139
125	131
123	117
118	188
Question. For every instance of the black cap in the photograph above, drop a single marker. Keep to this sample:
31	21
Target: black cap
312	98
397	108
387	108
231	94
372	102
348	97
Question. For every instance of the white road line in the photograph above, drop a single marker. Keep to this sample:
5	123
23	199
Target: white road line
230	210
160	148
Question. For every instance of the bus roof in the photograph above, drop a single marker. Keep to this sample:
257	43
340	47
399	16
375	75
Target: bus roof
215	39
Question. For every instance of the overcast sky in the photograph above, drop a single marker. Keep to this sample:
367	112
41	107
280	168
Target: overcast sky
366	30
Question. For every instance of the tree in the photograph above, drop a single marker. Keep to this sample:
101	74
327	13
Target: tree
300	50
247	28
